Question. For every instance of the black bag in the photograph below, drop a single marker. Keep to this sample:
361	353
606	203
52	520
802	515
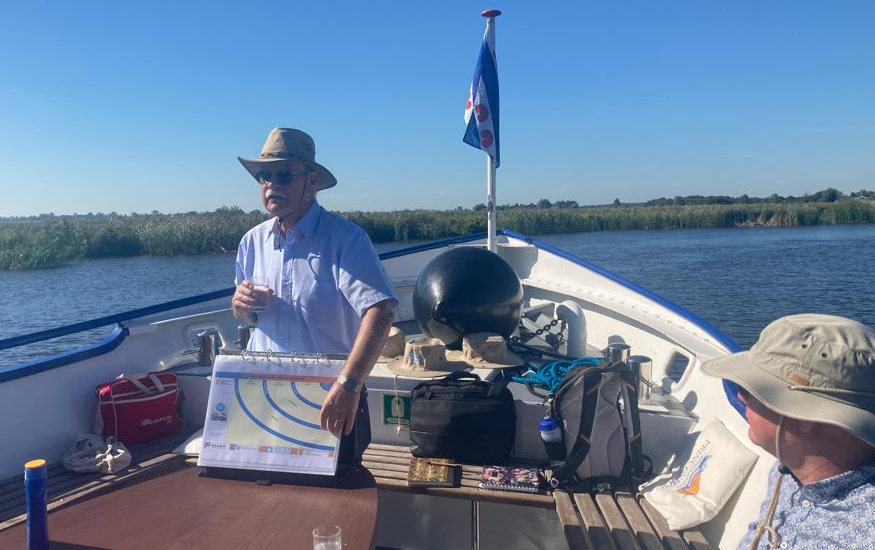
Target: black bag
463	418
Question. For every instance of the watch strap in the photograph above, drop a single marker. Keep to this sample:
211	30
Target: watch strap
350	384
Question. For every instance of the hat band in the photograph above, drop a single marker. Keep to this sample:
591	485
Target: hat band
840	391
281	156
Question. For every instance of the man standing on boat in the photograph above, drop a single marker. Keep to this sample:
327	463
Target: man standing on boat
809	387
328	290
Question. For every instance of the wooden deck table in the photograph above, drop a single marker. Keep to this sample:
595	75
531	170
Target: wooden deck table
184	511
609	521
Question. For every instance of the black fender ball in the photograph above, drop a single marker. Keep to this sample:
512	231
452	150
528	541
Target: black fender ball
467	290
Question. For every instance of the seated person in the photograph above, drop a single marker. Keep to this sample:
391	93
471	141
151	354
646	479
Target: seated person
809	387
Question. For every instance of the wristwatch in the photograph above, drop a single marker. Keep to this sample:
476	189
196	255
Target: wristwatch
350	384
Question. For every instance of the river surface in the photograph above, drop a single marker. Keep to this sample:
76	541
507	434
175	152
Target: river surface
737	279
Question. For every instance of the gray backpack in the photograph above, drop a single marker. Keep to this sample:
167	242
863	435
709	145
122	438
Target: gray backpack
597	410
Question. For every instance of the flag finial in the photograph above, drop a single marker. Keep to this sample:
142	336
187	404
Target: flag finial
490	13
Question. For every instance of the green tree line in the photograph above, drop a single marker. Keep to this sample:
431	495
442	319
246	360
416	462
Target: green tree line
53	241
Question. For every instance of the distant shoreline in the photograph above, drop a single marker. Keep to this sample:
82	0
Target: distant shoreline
45	243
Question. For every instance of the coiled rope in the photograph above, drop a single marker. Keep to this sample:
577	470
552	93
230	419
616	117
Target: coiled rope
550	375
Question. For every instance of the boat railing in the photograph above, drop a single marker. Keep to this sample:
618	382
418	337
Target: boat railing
118	335
117	318
48	334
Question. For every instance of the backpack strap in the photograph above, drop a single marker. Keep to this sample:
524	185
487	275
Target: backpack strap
632	422
564	472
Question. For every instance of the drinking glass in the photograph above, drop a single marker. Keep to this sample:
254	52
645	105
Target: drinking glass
261	293
326	537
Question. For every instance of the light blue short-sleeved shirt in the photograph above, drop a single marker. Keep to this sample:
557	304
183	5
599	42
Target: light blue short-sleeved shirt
837	512
325	274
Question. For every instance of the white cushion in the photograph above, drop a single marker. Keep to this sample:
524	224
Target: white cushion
704	476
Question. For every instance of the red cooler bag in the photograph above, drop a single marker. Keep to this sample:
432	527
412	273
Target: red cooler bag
139	407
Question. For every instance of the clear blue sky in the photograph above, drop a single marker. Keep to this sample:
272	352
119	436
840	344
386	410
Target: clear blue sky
134	106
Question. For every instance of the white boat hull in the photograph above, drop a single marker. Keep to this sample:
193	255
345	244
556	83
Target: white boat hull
47	403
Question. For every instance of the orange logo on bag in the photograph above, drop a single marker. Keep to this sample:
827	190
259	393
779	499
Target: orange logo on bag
692	486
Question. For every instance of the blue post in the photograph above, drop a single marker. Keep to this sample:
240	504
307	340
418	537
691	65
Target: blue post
35	482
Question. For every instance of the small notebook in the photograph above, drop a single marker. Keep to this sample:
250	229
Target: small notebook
431	472
502	478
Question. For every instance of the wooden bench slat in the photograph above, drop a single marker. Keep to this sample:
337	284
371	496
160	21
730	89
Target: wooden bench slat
469	493
693	538
155	467
669	538
622	534
639	523
696	540
389	461
575	535
387	454
62	483
593	522
56	470
14	482
387	447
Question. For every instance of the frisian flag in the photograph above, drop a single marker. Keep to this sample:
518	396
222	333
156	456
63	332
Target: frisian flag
481	109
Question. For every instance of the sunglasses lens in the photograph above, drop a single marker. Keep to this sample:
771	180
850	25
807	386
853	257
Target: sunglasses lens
283	177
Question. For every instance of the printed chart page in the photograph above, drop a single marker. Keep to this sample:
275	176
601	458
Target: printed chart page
263	414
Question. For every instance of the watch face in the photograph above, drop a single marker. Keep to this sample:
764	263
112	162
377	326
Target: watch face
350	384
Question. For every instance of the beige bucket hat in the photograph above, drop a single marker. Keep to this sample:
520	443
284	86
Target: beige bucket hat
486	350
819	368
425	358
394	345
285	145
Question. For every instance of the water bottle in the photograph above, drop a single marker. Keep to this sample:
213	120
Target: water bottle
551	435
35	482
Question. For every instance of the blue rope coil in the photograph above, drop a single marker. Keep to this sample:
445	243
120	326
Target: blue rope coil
550	375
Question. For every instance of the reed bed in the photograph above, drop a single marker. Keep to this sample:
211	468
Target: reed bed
53	242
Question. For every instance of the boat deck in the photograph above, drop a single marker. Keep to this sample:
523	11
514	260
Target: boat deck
620	520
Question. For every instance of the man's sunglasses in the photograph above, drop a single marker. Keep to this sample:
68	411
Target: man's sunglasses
281	177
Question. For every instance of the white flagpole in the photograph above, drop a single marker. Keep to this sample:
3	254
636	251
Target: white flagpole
490	202
492	220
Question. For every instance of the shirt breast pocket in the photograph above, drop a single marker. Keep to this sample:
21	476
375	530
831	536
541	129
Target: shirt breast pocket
318	295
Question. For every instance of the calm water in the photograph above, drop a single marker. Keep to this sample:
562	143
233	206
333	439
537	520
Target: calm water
737	279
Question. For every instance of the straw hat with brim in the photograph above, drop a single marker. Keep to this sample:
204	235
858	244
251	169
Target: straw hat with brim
286	145
486	350
818	368
394	345
425	358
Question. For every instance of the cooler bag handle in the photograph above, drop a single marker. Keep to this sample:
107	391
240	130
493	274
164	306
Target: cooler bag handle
158	386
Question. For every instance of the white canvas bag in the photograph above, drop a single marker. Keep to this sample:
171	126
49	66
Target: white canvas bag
695	491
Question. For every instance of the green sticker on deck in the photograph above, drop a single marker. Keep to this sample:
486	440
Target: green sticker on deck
396	410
